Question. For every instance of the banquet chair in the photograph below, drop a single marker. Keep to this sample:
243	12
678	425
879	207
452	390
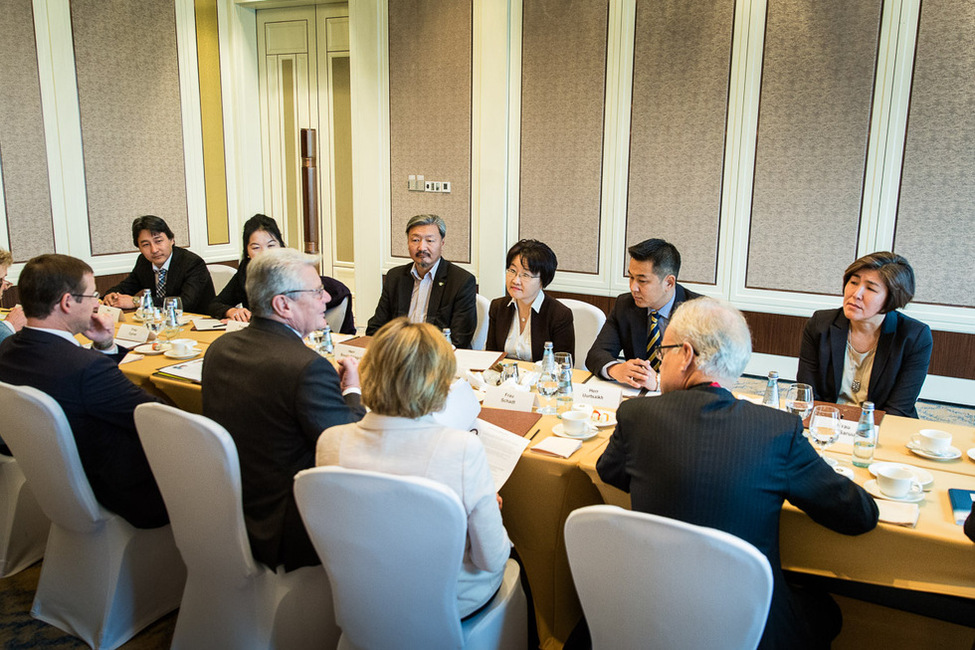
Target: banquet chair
587	320
102	580
647	581
481	331
393	546
23	525
231	601
336	315
221	274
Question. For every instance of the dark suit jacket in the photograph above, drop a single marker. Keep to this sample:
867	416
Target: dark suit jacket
274	396
552	322
453	301
899	366
626	330
704	457
235	293
98	401
188	278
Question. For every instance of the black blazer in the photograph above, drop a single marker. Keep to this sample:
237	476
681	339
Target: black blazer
626	331
235	293
552	322
98	401
704	457
188	278
453	301
899	366
274	396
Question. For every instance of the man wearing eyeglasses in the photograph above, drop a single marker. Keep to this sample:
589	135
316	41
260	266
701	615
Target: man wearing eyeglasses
59	299
275	396
430	289
698	454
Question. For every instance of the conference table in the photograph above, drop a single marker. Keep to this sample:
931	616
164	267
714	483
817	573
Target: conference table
935	556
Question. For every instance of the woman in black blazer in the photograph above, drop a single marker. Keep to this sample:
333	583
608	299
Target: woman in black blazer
521	322
867	350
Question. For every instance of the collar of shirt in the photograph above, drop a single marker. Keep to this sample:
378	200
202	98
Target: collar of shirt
165	265
664	312
536	303
430	274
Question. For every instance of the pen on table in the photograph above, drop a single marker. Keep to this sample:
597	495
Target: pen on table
533	435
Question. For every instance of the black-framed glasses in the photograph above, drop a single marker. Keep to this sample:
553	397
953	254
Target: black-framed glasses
95	295
659	352
320	291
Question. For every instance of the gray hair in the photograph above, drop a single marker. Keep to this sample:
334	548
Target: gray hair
272	273
718	333
426	220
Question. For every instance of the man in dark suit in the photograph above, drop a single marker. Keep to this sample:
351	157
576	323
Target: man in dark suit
275	396
431	289
163	268
639	319
699	455
59	299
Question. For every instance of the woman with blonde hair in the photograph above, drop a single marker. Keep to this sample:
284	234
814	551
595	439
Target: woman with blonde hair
405	375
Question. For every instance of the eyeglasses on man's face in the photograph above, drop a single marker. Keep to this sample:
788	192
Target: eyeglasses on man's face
659	352
81	296
318	293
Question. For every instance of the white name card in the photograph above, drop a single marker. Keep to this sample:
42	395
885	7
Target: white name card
114	312
604	395
132	334
234	325
341	351
505	397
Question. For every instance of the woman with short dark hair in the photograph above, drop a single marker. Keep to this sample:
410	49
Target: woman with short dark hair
522	321
867	350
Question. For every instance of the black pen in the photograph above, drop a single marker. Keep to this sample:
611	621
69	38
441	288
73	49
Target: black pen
533	435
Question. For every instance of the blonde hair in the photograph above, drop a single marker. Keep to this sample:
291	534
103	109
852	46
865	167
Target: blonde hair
407	370
6	259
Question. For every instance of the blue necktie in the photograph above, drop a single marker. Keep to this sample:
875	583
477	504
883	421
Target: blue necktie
653	342
161	284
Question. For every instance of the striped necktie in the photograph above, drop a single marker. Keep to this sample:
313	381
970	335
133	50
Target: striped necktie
161	284
653	342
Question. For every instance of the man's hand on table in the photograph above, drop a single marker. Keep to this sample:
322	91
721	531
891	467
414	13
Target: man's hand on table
348	373
120	300
636	373
242	314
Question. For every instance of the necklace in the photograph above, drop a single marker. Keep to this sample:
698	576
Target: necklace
858	360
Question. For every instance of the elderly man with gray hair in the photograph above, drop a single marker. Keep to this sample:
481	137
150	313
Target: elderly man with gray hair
430	289
275	396
698	454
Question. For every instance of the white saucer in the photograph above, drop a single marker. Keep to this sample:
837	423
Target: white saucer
560	432
951	454
923	476
189	355
610	420
971	453
874	490
147	349
843	471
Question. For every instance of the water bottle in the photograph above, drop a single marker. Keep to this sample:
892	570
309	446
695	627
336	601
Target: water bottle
326	347
565	380
145	305
865	437
771	397
446	335
548	359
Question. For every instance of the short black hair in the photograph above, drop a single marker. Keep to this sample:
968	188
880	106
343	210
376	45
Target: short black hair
894	270
46	278
153	224
537	257
259	222
665	258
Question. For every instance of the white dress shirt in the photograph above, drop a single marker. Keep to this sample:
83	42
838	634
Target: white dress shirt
420	300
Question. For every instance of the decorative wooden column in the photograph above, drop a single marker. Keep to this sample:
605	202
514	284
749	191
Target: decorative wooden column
309	190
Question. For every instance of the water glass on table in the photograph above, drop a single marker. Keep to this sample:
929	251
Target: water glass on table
548	387
173	302
799	400
824	429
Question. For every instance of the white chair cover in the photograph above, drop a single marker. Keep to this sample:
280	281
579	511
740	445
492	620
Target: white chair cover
23	525
231	601
587	320
102	580
480	332
393	546
221	274
651	582
336	315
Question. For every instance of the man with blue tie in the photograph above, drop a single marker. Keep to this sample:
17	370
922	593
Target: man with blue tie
637	323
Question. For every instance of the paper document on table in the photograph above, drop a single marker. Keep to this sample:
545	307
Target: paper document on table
555	446
208	324
503	450
628	391
473	360
191	370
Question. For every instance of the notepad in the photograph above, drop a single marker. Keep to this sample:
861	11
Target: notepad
961	503
559	447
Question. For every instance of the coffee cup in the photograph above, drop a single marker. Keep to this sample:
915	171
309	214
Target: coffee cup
184	346
897	482
575	423
933	441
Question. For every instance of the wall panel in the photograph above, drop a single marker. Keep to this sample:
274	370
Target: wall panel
681	60
935	229
430	45
814	119
131	123
563	91
23	152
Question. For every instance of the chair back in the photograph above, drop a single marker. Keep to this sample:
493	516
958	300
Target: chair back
652	582
587	320
195	463
221	274
38	434
480	332
392	547
336	315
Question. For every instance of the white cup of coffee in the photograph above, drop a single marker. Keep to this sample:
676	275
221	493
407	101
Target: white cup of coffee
897	482
575	423
183	347
933	441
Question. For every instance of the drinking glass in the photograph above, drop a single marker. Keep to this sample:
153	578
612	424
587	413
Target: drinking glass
799	400
548	386
562	358
153	322
174	300
824	429
509	370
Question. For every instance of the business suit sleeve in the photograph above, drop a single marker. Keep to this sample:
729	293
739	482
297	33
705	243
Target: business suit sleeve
463	319
319	403
196	288
910	378
970	524
809	361
494	317
608	344
230	296
611	465
385	306
130	286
